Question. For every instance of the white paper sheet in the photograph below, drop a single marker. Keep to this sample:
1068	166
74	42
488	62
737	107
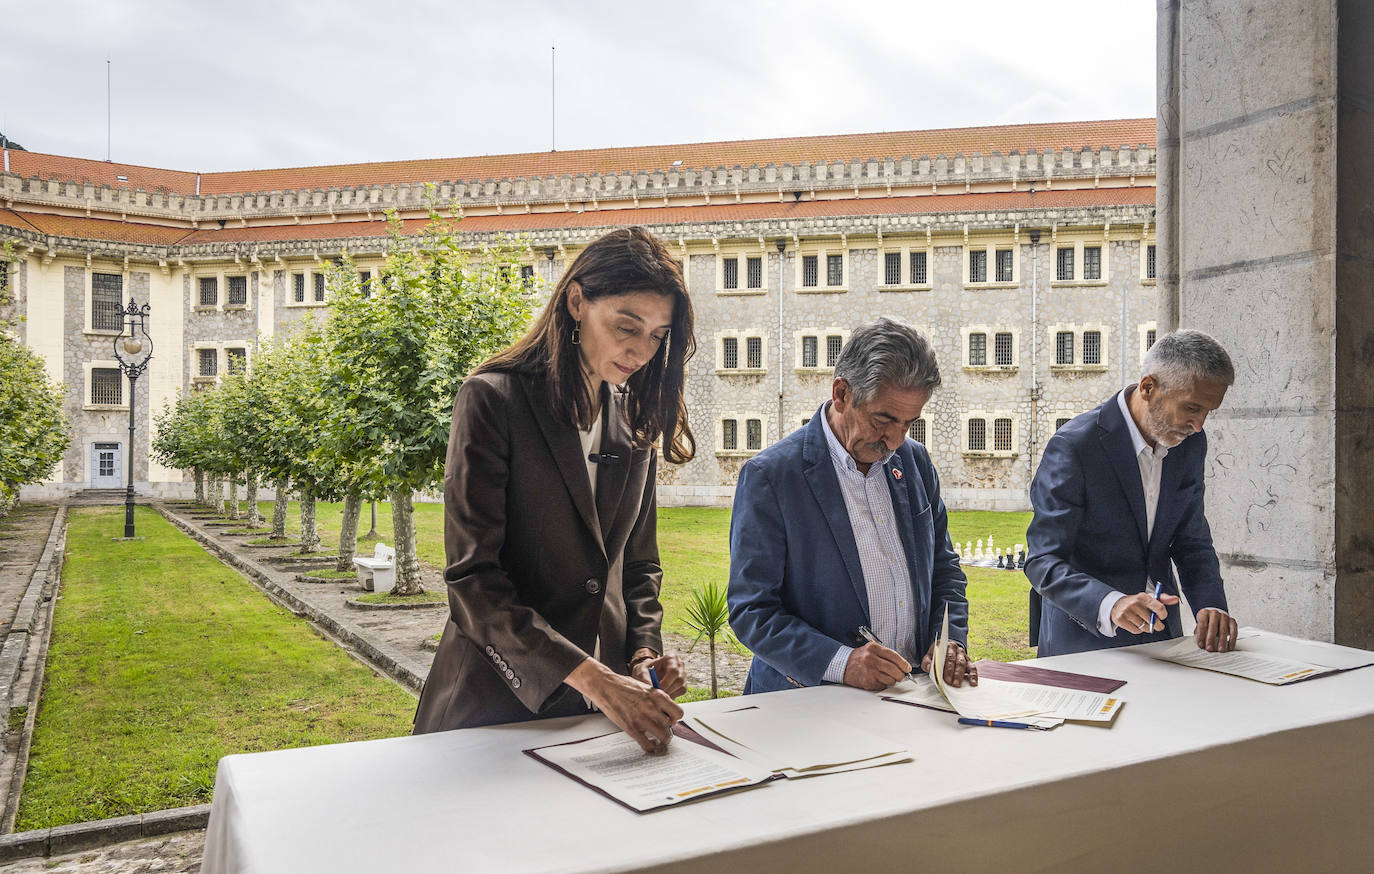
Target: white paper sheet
975	702
1267	657
803	746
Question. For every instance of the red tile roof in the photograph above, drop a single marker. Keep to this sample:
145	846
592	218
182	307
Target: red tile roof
517	223
781	150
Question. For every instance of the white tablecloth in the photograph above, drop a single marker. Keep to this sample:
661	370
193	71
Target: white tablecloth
1200	771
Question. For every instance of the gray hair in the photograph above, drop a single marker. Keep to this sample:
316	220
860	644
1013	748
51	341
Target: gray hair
886	351
1179	359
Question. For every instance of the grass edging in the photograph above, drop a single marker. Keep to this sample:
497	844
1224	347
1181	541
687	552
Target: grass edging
74	838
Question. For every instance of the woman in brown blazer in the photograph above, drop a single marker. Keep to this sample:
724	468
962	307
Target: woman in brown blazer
549	511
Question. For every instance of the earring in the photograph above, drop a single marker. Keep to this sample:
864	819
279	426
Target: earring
577	333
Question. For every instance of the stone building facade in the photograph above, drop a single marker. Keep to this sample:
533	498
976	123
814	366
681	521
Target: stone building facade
1025	253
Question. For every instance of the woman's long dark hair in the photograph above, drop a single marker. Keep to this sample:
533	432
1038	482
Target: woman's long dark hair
620	262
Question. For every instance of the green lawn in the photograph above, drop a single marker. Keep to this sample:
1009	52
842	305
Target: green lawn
163	660
694	548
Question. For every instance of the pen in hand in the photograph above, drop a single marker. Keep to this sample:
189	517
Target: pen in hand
867	634
1158	586
653	678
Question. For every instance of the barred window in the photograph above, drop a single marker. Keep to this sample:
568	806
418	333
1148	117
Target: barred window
1092	262
918	431
1149	339
1092	347
1061	422
238	291
730	273
753	352
1150	262
4	275
106	387
729	434
978	265
977	349
729	352
1004	265
892	268
1001	435
1063	347
809	268
1063	265
918	268
319	288
526	275
834	270
1002	348
809	352
106	311
236	360
754	272
209	291
977	435
298	287
365	283
753	434
209	362
833	344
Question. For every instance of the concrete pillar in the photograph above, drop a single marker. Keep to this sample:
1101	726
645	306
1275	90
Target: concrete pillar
1266	234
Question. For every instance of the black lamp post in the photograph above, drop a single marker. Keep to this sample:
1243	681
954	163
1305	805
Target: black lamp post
133	349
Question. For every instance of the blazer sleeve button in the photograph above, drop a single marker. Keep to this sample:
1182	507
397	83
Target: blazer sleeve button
592	586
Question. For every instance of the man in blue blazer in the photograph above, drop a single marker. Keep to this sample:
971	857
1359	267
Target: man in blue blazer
1118	499
840	526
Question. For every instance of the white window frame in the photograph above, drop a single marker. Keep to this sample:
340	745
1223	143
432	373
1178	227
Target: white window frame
91	271
1078	331
742	335
1142	334
821	334
1052	417
224	356
1077	245
821	252
924	417
247	290
991	331
194	363
741	420
1145	244
989	418
309	274
905	273
196	305
743	254
86	368
990	248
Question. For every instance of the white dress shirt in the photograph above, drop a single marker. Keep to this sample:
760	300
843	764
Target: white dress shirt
867	498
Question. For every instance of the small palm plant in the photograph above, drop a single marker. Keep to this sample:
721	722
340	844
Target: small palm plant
708	615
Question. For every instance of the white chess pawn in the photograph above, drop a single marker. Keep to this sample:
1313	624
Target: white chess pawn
968	549
980	544
989	543
978	552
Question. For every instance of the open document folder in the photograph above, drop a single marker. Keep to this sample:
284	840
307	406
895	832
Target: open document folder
614	765
1059	697
1269	657
794	747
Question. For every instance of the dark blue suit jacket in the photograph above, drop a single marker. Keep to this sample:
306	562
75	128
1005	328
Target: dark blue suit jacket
1088	534
796	586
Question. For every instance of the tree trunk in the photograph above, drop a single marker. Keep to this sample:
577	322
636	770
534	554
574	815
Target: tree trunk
310	535
252	497
234	497
403	530
225	493
279	509
372	534
348	536
212	492
200	484
713	667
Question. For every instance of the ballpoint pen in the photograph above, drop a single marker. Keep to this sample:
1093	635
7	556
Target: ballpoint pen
868	635
653	678
993	723
1158	586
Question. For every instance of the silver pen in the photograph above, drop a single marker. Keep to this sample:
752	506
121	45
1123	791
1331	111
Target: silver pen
867	634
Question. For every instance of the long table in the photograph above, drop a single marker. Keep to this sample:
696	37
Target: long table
1200	771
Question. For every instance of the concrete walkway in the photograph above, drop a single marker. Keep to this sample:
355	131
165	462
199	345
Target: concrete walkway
396	643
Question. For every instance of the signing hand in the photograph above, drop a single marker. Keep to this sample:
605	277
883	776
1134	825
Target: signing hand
1132	613
643	712
957	664
1216	632
672	676
874	667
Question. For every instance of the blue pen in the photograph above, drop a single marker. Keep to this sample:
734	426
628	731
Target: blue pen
653	678
993	723
1158	586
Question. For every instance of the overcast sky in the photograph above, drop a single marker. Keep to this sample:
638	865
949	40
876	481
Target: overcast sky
251	84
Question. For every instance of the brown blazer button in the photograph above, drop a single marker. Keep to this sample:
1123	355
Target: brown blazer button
515	684
593	586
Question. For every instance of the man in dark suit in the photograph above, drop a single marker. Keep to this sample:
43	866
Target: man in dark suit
1118	499
841	526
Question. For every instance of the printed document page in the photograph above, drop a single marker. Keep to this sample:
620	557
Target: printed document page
615	765
976	702
1268	657
1068	704
797	748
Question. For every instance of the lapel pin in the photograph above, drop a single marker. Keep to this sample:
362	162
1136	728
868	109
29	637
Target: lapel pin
897	474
